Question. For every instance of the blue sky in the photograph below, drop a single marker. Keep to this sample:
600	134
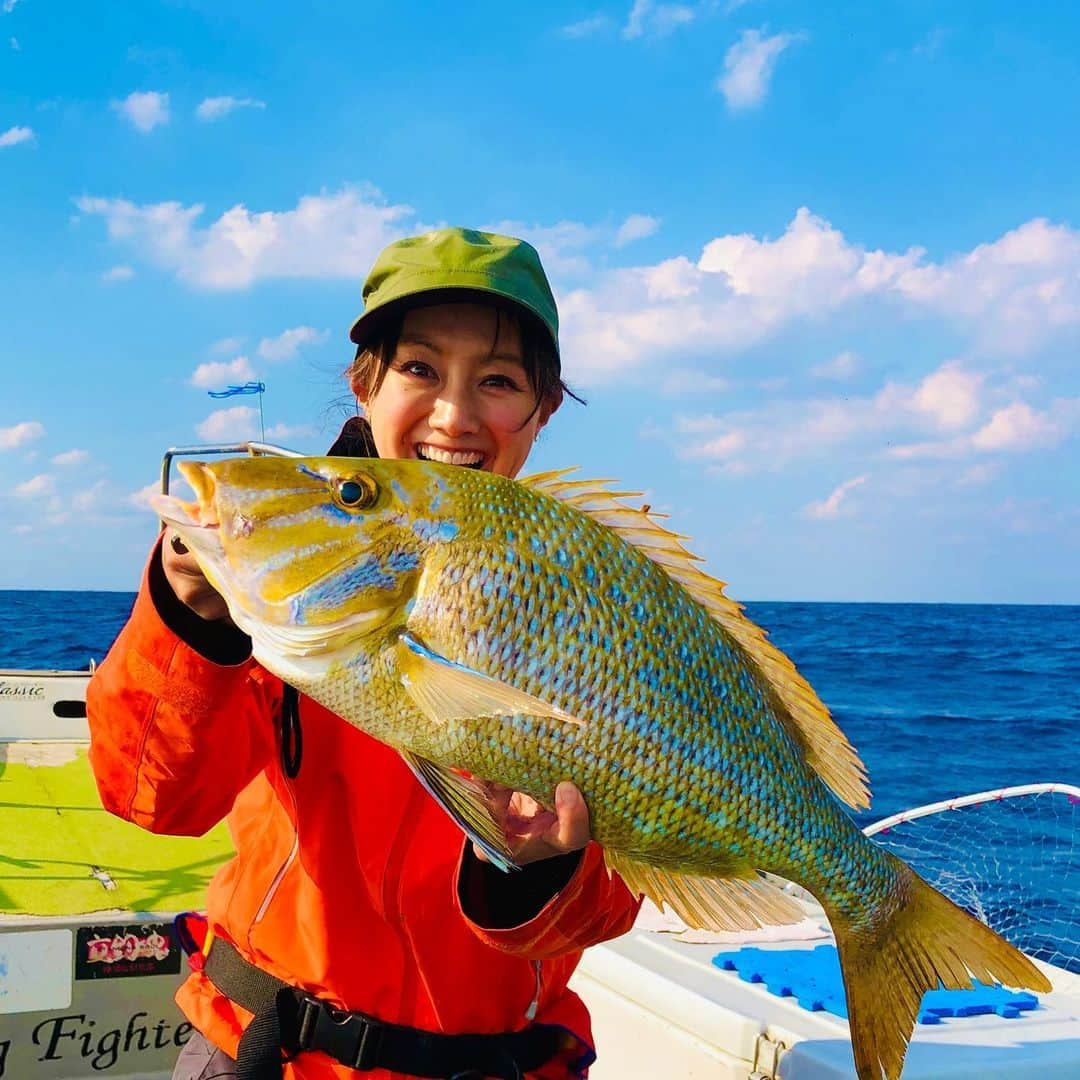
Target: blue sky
818	264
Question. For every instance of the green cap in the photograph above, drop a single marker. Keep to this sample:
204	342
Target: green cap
447	265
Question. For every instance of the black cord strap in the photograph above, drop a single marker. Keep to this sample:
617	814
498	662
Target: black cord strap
292	736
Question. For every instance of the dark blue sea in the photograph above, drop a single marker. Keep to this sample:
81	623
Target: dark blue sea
939	699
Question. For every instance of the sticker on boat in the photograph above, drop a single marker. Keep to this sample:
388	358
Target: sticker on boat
126	951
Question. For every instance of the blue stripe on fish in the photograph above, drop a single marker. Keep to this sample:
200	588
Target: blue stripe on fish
367	573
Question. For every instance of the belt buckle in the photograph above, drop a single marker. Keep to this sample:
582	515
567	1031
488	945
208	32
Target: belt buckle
350	1038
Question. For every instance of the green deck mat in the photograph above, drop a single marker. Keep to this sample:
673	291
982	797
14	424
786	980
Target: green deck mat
54	835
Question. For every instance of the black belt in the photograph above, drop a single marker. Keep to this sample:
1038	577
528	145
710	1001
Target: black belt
289	1019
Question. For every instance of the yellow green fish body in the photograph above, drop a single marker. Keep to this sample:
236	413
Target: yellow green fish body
533	632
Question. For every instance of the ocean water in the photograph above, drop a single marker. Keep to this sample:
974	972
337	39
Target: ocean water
939	699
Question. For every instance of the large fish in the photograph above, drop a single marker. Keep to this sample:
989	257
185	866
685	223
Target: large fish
544	630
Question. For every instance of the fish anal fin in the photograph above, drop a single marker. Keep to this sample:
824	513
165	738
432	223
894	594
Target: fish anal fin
706	903
445	690
466	802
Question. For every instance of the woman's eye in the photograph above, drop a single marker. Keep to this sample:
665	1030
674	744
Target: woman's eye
503	381
416	367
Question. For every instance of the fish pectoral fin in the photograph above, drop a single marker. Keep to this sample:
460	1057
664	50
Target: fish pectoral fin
444	690
466	802
706	903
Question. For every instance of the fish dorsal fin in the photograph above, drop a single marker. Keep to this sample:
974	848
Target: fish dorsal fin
807	718
708	903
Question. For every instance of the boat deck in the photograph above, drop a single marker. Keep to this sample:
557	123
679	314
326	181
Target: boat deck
61	854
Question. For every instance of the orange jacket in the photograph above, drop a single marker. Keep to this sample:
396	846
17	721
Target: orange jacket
346	879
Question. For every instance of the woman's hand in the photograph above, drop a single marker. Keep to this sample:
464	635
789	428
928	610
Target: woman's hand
187	580
534	833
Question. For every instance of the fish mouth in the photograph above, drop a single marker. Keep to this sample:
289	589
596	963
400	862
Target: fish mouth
187	515
467	459
196	521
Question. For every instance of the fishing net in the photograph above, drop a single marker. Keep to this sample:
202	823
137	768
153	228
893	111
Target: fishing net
1010	857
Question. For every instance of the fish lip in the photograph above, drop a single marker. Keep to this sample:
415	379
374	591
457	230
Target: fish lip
186	514
203	483
173	511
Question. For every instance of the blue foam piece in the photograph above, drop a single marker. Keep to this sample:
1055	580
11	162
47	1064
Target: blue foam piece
812	978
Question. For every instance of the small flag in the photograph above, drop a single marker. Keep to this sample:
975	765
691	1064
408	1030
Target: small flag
232	391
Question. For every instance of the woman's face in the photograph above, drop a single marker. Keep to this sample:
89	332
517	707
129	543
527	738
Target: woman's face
454	393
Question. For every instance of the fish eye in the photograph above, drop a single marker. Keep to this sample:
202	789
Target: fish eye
356	493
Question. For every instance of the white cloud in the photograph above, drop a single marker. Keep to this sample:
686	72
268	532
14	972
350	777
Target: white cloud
286	345
722	447
288	431
42	484
563	247
949	395
15	135
214	108
677	381
636	227
593	24
673	279
71	457
1015	428
740	290
141	498
325	236
977	475
144	110
215	376
792	430
14	42
8	6
807	262
118	273
930	45
842	366
1017	290
831	507
1011	295
749	65
226	345
225	425
646	17
89	498
20	434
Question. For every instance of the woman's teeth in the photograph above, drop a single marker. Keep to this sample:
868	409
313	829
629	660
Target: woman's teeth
468	458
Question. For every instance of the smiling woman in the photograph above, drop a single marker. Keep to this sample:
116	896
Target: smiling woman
451	383
351	889
458	356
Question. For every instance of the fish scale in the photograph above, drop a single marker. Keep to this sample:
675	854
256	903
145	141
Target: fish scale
529	633
630	601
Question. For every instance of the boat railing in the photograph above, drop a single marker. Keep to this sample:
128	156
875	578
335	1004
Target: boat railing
255	449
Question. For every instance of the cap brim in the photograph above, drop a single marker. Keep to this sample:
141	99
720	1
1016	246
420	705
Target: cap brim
371	323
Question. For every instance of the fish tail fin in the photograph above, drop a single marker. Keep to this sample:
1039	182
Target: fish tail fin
888	967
